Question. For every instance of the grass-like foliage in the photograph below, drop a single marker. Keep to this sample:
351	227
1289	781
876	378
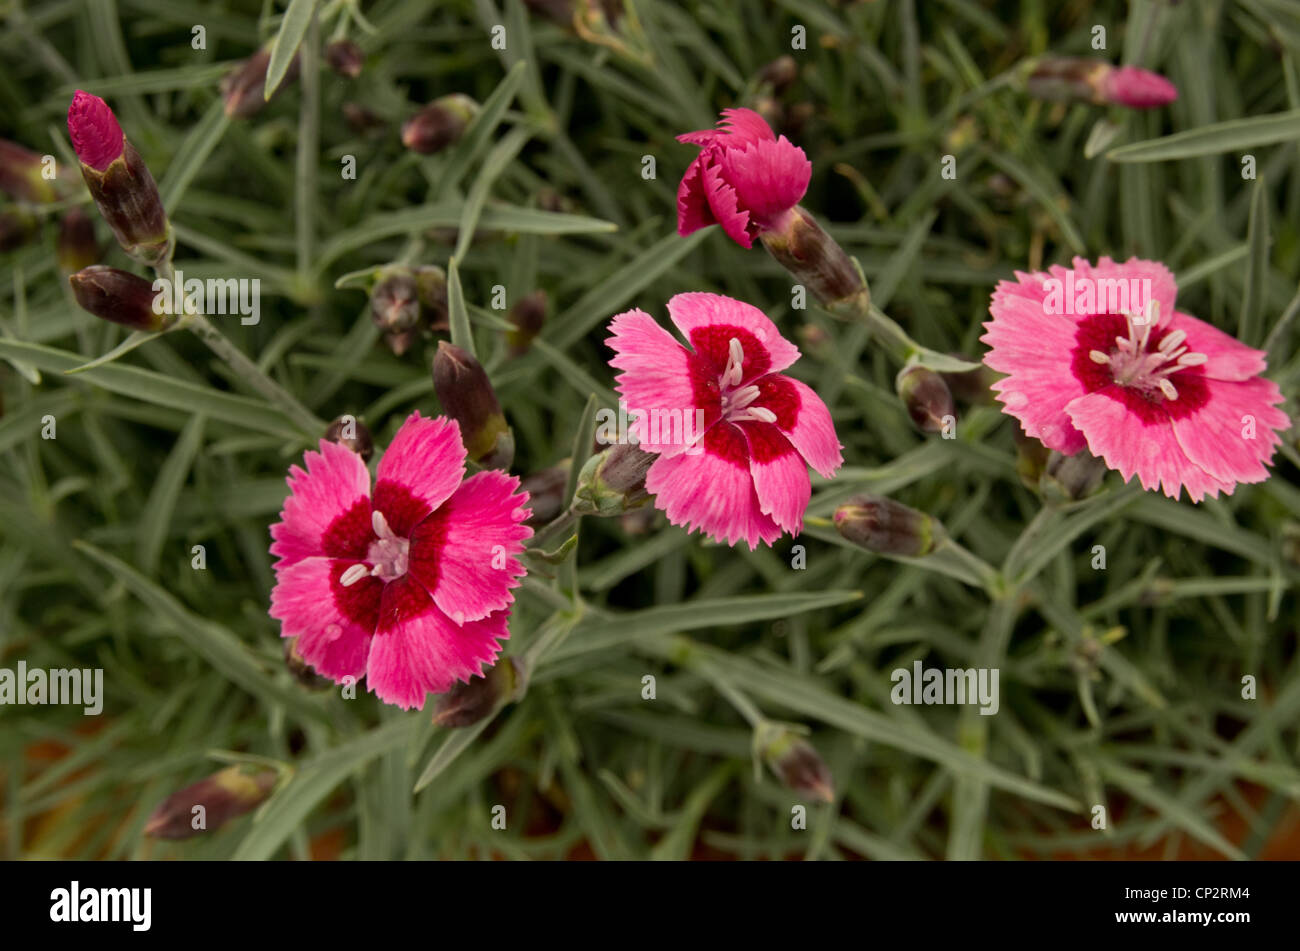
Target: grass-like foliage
1147	647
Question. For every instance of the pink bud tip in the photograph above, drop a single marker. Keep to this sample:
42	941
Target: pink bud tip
1139	88
95	133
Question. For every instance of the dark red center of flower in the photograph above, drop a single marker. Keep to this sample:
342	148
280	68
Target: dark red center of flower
1147	368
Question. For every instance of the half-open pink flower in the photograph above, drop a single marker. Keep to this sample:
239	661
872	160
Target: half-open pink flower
744	474
745	178
1098	356
409	584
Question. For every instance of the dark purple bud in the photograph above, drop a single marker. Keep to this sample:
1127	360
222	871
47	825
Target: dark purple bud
212	802
468	703
887	527
17	227
794	761
121	297
528	315
77	248
345	58
926	398
467	396
815	259
439	124
394	300
350	432
613	481
779	74
244	88
545	490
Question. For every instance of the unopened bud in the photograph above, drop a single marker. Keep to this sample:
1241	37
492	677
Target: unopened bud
779	73
1069	478
394	300
243	89
794	761
439	124
468	703
926	397
119	296
1075	79
21	175
431	292
613	481
360	119
345	58
886	527
351	433
1031	459
545	490
528	314
212	802
814	258
467	396
77	247
119	181
17	227
400	341
302	671
972	386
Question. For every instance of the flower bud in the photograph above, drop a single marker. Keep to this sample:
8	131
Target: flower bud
400	341
779	74
212	802
1031	459
17	227
77	248
467	396
351	433
886	527
468	703
431	292
21	175
345	58
926	397
439	124
814	258
119	296
528	314
360	119
394	300
1068	478
545	490
794	761
972	386
1136	88
613	481
243	89
119	181
1076	79
302	671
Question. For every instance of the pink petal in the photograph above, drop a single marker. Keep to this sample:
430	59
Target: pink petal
94	130
328	508
1034	349
1150	450
709	321
334	641
660	374
725	207
769	178
1215	436
1163	289
462	552
780	475
421	469
1138	88
1229	358
419	650
713	491
736	127
693	212
804	419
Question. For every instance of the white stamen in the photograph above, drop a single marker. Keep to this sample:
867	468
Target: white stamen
1192	359
763	413
1172	340
1096	356
380	525
735	371
1168	388
354	574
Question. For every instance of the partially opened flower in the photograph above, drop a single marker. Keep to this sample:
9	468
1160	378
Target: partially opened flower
742	473
1099	357
745	178
408	584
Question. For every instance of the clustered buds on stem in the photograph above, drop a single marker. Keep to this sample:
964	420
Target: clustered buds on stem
243	89
886	527
926	397
794	761
613	481
439	124
119	296
480	697
223	796
467	396
407	300
1075	79
119	181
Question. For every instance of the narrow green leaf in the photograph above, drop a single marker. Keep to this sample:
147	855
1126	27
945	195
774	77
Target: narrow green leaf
1231	136
158	510
292	29
458	315
1253	299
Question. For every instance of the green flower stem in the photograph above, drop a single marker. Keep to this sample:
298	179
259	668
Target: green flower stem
308	149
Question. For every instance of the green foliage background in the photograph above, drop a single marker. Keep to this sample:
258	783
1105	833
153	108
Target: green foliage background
1120	686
